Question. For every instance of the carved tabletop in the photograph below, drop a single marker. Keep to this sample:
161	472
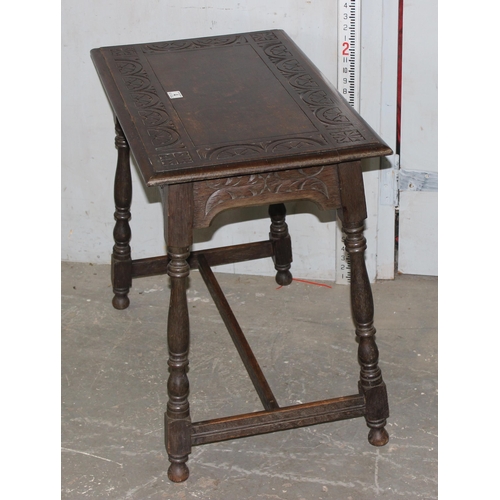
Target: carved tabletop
226	105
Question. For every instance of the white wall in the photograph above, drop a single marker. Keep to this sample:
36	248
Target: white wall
89	156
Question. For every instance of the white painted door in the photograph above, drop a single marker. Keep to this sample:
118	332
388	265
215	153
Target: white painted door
418	196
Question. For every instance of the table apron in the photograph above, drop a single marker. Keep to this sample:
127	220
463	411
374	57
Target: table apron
317	184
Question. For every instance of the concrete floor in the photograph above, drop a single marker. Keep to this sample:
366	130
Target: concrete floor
114	373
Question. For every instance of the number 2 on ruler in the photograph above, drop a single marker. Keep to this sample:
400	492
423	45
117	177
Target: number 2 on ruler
345	52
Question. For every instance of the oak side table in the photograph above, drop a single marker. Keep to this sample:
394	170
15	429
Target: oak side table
231	121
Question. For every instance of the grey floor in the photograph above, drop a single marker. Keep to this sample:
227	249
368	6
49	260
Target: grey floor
114	373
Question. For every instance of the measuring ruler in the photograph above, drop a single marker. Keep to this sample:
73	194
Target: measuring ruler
348	51
348	36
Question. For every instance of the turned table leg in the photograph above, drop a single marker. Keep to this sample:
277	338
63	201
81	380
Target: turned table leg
177	201
121	262
371	385
177	420
282	245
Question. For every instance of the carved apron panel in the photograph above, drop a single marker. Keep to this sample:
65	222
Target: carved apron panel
317	184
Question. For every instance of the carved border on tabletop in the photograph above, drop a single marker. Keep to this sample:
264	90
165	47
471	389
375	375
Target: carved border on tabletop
249	186
161	130
340	128
278	146
207	42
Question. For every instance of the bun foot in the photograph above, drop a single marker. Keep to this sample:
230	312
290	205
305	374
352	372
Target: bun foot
178	472
120	302
378	437
284	278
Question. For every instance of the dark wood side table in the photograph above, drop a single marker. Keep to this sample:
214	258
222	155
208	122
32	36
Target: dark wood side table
231	121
